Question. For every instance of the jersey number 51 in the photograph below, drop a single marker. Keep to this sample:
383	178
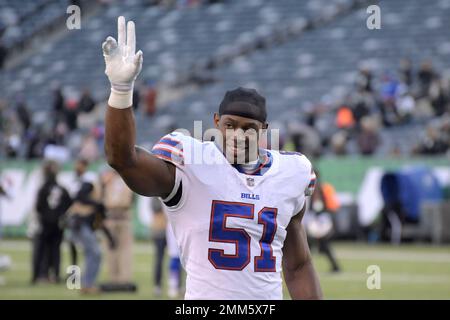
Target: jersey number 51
219	232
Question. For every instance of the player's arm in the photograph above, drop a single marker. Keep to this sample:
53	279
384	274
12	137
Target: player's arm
299	273
143	173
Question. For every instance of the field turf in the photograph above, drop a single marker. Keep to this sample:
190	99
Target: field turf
407	272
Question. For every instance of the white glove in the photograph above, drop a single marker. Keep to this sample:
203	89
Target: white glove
122	64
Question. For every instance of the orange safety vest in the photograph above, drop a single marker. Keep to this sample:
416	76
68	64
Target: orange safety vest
344	118
331	200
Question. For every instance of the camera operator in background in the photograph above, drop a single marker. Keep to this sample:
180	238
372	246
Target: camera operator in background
86	215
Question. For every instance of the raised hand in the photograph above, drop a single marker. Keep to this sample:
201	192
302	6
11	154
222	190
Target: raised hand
123	64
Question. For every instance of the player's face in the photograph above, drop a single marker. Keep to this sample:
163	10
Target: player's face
240	137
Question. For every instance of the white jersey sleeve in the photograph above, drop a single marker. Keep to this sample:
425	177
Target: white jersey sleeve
175	148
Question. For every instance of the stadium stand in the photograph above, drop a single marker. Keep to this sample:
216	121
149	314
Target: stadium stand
277	46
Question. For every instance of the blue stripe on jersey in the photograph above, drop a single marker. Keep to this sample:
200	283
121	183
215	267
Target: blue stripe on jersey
163	153
170	142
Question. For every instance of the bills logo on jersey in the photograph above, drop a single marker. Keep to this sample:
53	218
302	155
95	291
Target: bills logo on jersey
250	196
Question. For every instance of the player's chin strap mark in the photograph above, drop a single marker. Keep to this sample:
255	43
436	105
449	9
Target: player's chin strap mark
176	198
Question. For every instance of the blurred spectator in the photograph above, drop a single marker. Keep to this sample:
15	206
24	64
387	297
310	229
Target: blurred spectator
364	80
58	104
98	133
150	99
389	88
406	72
86	103
175	269
12	145
344	118
388	92
432	143
440	97
34	138
368	139
89	148
339	143
52	202
361	105
71	114
159	238
425	76
405	106
24	115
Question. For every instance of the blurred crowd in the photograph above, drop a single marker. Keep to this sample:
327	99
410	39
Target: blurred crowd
360	122
72	127
404	99
410	97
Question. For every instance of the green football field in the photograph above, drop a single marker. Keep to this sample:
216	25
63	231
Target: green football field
407	272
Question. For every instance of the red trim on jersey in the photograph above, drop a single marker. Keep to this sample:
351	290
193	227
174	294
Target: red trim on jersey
176	152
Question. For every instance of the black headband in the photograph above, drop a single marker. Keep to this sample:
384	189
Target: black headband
244	102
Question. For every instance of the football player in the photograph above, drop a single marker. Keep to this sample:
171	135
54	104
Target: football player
237	225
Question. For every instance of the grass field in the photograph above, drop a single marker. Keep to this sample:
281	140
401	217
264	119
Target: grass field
407	272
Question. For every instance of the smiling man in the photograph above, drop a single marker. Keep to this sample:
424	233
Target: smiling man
237	222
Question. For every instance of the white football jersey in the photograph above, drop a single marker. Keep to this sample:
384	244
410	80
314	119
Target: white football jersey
230	226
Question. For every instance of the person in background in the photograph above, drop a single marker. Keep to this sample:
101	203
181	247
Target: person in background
58	104
368	138
24	115
70	112
118	199
150	98
86	103
5	184
175	270
318	222
53	200
425	75
158	230
406	72
86	216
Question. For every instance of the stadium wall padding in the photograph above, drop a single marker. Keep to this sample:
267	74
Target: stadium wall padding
346	174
